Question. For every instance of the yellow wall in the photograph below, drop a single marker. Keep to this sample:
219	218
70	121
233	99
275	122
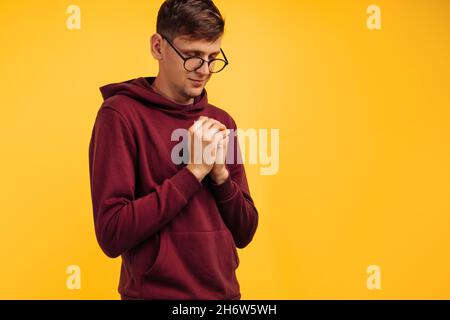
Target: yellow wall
364	123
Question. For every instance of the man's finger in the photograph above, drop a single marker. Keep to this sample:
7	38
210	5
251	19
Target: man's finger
215	128
198	123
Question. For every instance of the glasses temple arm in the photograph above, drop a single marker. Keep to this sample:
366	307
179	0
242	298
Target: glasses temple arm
224	55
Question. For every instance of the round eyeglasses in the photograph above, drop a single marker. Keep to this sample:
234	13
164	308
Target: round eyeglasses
194	63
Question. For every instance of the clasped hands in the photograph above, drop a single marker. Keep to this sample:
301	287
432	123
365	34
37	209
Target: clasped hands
208	141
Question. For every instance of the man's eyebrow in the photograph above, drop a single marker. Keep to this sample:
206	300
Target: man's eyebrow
197	52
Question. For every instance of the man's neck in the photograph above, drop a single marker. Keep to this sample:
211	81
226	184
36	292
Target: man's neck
162	88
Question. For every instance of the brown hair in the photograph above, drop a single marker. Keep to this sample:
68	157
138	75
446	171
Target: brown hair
197	19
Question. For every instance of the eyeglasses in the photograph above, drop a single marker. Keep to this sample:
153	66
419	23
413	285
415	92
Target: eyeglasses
194	63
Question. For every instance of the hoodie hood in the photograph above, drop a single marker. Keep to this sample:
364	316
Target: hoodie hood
140	90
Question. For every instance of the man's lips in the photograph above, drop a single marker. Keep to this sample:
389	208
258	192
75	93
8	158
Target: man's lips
197	81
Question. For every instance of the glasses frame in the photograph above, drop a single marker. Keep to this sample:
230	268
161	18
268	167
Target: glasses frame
185	59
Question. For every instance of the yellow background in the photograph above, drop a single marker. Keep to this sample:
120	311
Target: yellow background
364	142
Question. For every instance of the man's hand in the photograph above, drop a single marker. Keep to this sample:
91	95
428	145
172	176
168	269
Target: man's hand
219	172
204	137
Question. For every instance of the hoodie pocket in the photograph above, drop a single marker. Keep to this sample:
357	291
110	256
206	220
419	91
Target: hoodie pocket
146	257
153	269
194	265
236	255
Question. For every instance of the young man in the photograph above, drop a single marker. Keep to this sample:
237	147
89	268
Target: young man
175	225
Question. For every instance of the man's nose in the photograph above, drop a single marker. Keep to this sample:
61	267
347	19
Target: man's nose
204	69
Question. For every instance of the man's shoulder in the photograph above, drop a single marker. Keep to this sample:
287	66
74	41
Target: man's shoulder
122	105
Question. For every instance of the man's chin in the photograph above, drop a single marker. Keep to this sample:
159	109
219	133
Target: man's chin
194	92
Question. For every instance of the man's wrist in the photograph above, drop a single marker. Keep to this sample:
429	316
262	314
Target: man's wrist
199	174
221	177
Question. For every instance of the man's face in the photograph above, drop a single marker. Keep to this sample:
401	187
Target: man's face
188	84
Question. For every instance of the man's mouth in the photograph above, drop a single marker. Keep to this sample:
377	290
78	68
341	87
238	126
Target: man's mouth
197	81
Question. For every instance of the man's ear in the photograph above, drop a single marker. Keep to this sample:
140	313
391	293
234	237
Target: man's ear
156	46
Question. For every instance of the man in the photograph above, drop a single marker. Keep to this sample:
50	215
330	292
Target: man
175	225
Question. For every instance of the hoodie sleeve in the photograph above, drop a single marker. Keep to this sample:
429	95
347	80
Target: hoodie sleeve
234	201
122	221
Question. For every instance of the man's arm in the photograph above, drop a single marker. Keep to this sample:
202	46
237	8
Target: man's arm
121	221
230	188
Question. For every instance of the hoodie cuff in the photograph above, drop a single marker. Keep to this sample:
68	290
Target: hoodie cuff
225	191
186	183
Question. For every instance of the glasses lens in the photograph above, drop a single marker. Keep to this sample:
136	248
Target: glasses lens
216	65
193	64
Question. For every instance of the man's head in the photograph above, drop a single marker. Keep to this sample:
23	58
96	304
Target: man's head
193	28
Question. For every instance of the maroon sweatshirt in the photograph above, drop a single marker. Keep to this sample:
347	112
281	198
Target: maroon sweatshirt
177	237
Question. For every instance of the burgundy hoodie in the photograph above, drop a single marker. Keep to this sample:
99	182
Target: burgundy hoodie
177	236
